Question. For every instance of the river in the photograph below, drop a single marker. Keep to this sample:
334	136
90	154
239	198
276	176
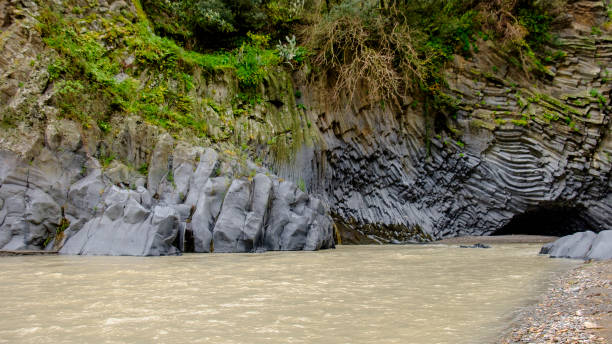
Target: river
354	294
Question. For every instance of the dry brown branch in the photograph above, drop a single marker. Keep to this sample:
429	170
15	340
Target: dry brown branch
367	52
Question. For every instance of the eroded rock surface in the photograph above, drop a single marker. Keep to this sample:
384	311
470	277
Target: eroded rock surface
581	245
516	148
194	201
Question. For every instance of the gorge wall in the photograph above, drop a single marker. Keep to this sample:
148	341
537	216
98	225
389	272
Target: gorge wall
136	190
57	196
517	153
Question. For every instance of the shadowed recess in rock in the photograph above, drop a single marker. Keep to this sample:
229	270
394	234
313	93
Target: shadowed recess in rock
552	219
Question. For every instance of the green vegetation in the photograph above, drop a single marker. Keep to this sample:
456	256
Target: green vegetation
144	169
206	25
59	231
106	159
93	82
399	47
599	98
301	185
89	77
164	62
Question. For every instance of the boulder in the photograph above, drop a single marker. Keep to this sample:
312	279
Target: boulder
601	248
27	218
240	227
159	166
297	221
63	135
582	245
117	173
85	196
204	171
576	245
256	218
227	234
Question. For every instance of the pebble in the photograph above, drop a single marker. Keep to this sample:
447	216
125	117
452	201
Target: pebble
590	325
560	316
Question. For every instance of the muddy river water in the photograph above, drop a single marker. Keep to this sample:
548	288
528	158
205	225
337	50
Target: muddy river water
359	294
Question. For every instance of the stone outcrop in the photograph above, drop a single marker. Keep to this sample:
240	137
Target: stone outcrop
581	245
135	190
512	152
193	200
516	153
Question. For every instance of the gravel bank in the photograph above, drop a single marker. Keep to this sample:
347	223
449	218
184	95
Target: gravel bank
577	309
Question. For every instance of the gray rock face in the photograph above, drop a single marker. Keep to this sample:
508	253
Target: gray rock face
160	161
207	211
601	248
155	196
195	211
297	221
127	228
582	245
227	234
508	151
572	246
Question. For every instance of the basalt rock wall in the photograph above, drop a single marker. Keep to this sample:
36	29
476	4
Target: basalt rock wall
519	154
191	199
68	185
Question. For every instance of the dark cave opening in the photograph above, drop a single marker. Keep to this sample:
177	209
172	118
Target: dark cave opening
551	219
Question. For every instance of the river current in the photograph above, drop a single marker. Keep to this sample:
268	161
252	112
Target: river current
354	294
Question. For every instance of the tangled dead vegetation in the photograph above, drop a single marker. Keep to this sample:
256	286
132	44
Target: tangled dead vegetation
386	50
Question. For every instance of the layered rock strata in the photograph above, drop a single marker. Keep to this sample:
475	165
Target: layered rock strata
518	153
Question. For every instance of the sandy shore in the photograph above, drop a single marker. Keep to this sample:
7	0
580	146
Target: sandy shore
577	309
500	239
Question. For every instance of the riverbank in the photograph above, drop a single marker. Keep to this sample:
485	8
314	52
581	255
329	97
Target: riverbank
498	239
576	309
5	253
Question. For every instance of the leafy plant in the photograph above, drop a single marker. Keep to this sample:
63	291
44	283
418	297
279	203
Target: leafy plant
106	159
290	52
144	169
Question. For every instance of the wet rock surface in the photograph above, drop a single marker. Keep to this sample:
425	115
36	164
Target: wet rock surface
577	309
478	245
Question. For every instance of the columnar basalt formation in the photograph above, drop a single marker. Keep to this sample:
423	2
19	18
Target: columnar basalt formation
192	200
513	150
136	190
514	145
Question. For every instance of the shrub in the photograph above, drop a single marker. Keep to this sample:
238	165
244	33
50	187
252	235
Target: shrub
358	43
397	46
290	52
215	24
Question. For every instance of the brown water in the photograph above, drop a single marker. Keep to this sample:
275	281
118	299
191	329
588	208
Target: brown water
367	294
